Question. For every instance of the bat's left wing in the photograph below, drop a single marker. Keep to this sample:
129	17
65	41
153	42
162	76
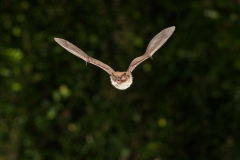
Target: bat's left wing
79	53
153	46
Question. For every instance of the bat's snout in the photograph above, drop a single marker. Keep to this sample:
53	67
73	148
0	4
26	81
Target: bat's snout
118	81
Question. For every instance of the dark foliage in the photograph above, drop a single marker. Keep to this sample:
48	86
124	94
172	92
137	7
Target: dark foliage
184	104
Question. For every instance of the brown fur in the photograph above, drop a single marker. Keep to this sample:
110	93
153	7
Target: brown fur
124	83
121	76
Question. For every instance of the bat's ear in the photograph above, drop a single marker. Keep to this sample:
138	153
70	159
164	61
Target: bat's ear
113	76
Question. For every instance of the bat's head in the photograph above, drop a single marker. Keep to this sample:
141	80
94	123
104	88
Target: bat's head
121	80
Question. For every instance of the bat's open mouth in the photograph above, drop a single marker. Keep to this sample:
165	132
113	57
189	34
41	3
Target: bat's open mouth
119	81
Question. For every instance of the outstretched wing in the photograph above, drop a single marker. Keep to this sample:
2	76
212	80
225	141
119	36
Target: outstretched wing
78	52
153	46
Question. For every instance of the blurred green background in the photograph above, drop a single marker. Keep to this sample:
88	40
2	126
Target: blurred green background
184	104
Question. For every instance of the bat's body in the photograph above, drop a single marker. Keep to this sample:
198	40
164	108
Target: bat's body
121	80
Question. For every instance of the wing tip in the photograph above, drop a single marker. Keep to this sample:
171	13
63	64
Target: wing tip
61	42
57	39
171	29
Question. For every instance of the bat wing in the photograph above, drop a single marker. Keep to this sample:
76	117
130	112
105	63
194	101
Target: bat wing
153	46
79	53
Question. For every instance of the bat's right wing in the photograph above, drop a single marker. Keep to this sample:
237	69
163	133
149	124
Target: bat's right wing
153	46
78	52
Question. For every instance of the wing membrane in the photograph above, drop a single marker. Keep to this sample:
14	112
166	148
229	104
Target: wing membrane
153	46
79	53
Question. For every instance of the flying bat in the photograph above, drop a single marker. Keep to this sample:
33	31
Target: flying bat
120	80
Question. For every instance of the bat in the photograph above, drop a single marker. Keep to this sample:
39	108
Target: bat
120	80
